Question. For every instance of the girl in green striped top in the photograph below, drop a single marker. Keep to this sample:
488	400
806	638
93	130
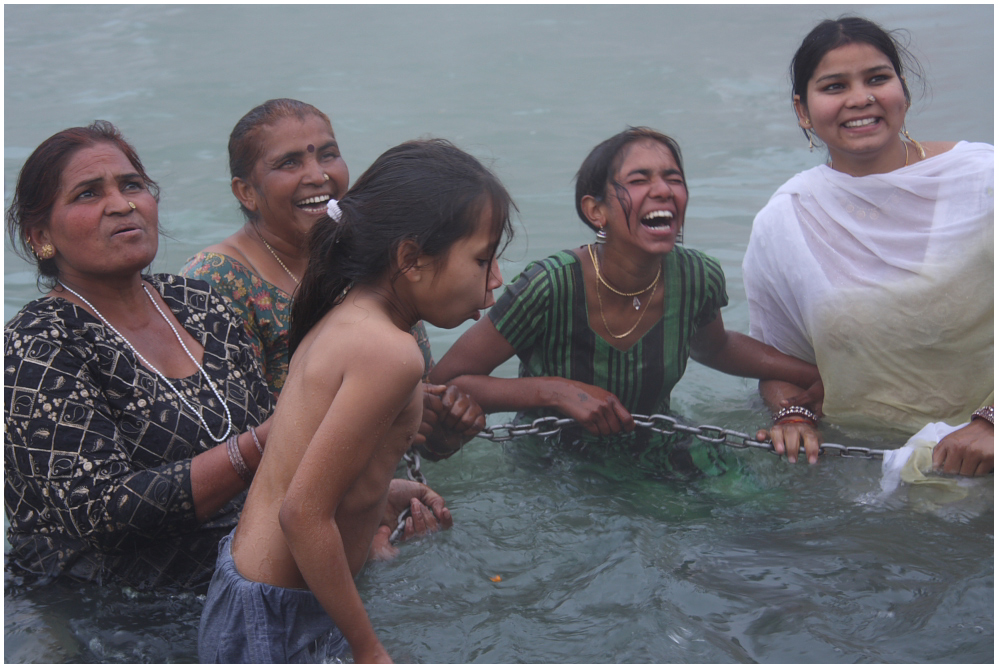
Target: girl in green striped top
605	330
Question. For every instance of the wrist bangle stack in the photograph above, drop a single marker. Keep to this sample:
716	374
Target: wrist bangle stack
983	413
236	459
256	442
794	411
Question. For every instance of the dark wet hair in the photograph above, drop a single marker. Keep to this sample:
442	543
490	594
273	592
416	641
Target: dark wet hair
245	142
597	173
38	184
830	35
428	191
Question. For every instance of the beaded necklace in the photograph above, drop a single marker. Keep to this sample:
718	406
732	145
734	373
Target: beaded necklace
201	419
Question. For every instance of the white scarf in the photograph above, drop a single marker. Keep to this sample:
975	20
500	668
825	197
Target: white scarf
886	283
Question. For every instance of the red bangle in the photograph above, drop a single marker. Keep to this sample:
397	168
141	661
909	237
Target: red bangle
782	422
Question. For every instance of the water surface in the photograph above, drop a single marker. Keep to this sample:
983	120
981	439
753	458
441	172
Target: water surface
780	564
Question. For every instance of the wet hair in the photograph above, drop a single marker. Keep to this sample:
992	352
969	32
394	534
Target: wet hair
41	176
427	191
597	173
829	35
246	144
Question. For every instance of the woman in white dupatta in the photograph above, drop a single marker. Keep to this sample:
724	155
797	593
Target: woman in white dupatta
879	265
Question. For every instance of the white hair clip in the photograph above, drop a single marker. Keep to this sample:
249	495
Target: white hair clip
333	210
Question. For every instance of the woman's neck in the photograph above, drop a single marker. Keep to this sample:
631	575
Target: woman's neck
288	248
627	272
891	158
119	299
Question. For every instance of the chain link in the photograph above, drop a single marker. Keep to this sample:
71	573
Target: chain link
668	425
658	423
413	473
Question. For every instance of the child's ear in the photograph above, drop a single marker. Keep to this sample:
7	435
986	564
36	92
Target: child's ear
410	261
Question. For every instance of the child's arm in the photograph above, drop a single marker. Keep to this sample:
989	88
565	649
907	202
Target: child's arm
378	384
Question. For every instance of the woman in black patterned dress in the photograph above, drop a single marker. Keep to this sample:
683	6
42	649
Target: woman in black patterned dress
134	407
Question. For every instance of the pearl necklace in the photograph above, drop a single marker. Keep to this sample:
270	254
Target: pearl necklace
201	419
636	303
274	253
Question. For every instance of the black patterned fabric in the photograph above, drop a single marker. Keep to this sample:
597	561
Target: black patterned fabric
97	449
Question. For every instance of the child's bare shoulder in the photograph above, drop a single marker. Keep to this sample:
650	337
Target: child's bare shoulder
369	345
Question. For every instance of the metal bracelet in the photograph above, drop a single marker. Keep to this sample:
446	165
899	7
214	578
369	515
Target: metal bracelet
984	413
236	460
256	442
795	410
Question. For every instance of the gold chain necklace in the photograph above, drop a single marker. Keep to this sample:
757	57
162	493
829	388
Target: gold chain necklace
636	303
274	253
600	304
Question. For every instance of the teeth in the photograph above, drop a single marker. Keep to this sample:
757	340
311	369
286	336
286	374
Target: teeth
860	122
315	200
659	214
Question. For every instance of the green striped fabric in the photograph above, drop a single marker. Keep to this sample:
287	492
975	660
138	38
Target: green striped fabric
543	315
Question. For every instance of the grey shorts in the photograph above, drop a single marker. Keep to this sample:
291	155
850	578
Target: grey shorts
250	622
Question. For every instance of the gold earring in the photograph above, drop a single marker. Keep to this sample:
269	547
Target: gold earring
46	252
602	235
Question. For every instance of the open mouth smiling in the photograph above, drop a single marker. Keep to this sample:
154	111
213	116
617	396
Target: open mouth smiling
315	204
660	218
861	123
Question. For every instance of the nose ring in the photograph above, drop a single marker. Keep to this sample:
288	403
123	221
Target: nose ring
326	177
131	204
871	98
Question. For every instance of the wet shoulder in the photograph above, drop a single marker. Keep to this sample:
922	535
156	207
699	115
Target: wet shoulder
372	345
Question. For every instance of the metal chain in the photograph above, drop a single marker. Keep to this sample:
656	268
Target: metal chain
658	423
667	425
412	459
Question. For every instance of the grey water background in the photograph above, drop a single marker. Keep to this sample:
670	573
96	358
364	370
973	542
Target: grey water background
597	564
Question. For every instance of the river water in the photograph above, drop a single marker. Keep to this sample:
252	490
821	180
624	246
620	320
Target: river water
781	564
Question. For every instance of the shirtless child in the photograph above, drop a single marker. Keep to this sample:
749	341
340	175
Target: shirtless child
415	238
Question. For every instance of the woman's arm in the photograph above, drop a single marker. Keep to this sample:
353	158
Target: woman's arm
786	381
967	451
482	348
70	457
789	433
741	355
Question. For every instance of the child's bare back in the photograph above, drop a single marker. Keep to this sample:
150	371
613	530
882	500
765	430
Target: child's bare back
416	238
321	488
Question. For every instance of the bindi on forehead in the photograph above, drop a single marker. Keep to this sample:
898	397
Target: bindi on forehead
310	148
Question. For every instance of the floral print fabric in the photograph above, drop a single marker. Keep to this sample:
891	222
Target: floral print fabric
266	312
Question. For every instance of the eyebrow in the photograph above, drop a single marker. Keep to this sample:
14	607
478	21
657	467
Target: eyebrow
97	180
645	172
838	75
299	154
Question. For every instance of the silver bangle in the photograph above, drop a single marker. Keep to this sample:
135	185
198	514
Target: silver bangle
794	410
984	413
236	459
253	434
